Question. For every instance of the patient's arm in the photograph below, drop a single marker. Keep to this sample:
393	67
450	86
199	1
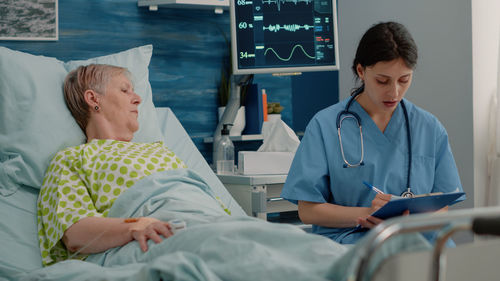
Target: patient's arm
94	234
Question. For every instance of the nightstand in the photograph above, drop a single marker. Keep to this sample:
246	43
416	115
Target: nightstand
258	195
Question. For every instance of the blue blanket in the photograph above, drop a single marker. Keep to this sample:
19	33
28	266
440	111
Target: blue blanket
214	246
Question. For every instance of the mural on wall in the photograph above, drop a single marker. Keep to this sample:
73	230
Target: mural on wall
28	20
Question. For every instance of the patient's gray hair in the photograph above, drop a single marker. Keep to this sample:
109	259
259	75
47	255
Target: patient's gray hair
89	77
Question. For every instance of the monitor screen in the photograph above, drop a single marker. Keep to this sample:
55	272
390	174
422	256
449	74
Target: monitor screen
278	36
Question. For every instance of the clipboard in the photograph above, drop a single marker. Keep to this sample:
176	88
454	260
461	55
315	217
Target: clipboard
417	205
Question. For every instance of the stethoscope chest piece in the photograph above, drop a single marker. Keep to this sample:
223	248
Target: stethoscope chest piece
407	194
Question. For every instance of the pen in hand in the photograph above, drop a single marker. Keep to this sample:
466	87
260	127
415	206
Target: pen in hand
373	188
379	191
378	202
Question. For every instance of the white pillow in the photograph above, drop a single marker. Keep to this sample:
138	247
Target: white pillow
34	120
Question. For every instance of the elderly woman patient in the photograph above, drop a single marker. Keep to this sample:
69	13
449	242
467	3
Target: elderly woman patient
82	182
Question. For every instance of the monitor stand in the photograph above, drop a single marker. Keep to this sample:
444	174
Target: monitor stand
233	104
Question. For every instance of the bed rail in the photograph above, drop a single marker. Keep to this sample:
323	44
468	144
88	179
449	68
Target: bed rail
479	220
479	225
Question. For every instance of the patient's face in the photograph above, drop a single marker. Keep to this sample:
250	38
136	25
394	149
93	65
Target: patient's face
120	105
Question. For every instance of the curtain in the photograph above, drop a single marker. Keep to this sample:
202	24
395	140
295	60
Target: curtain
492	193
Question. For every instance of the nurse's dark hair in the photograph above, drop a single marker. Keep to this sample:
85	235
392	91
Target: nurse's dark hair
385	41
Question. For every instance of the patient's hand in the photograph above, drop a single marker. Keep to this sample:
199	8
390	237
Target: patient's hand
146	228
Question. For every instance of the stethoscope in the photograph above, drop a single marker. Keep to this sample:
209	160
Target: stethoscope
345	114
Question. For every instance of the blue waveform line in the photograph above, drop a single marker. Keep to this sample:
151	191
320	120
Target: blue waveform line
291	53
278	2
287	27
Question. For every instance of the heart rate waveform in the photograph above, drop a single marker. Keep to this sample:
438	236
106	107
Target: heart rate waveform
287	27
278	2
291	53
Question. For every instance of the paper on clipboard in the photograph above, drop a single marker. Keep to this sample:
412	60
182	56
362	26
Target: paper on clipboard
417	205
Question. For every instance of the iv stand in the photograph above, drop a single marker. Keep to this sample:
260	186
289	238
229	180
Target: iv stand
236	82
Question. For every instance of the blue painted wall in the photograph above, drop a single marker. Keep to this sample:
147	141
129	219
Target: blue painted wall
189	47
312	92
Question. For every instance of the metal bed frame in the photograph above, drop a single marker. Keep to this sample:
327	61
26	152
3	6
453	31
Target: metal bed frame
480	221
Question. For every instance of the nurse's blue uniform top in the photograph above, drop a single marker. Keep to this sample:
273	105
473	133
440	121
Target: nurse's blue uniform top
317	173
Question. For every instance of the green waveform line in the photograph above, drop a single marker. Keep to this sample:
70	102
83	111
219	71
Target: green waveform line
291	54
278	2
287	27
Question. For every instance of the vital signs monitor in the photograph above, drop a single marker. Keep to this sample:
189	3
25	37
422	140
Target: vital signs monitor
283	36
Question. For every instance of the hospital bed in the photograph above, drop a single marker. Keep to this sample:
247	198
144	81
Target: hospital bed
19	250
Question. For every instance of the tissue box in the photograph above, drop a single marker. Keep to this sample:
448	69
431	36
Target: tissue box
264	163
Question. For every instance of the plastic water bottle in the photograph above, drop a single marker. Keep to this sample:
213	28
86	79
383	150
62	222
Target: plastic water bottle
225	153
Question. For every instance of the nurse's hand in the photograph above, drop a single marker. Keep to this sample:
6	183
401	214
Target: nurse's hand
369	221
377	202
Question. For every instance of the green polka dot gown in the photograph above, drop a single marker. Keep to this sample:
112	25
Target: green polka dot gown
85	180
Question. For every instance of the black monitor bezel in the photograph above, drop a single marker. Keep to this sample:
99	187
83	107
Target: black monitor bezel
277	70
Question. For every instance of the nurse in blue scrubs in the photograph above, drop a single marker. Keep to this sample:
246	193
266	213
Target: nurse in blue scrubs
327	174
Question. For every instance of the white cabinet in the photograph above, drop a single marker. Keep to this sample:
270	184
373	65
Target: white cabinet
258	194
